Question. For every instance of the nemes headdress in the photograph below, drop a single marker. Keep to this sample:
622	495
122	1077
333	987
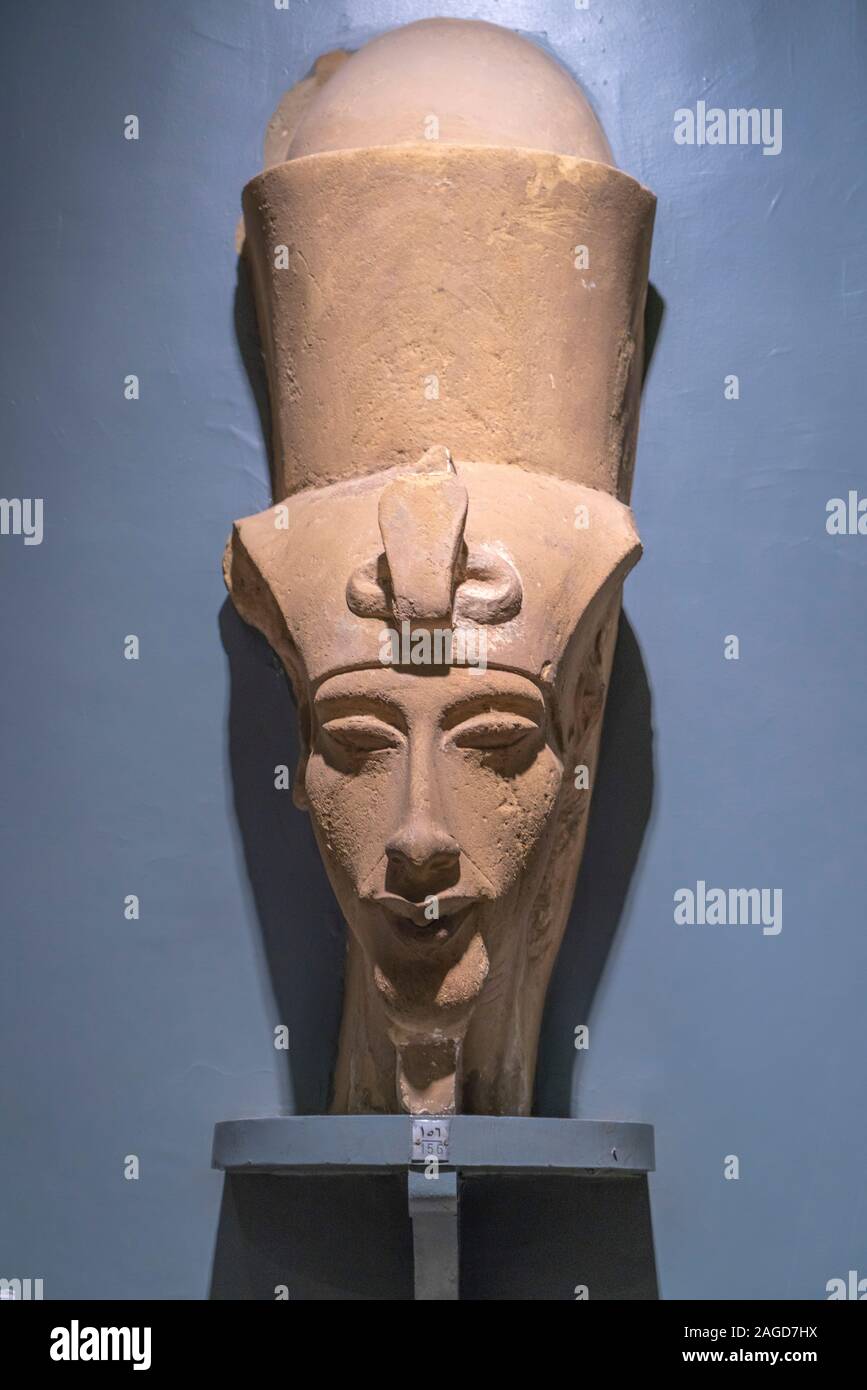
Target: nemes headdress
450	279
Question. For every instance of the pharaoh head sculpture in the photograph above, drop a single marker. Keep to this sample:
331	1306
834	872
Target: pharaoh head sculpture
450	278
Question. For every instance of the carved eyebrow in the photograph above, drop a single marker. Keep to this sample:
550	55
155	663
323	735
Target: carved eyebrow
496	702
341	706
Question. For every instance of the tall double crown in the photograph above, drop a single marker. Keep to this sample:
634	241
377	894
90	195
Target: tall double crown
450	292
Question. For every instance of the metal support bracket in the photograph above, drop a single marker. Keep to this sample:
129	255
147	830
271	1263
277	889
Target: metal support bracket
433	1192
433	1207
437	1153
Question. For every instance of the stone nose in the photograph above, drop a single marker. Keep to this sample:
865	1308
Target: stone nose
422	858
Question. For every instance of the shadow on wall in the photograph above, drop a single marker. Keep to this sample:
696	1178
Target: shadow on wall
302	930
349	1238
619	812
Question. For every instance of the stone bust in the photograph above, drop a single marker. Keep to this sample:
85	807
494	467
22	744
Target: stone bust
450	278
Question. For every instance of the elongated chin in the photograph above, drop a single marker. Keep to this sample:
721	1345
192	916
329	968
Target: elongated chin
428	1028
428	1076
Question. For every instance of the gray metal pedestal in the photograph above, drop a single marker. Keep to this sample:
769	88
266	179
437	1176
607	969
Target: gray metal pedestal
438	1155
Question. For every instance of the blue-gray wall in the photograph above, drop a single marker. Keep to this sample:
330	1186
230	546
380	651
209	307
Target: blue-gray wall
151	777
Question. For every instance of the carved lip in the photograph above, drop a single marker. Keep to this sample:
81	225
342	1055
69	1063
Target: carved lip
409	920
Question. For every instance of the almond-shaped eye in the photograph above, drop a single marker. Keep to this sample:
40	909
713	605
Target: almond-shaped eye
494	730
359	733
